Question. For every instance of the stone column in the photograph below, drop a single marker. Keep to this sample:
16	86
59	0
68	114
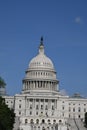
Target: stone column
45	84
30	85
39	104
50	85
36	84
44	106
33	107
55	104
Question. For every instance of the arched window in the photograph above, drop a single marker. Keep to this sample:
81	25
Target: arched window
79	109
46	107
63	108
36	73
37	113
30	106
73	109
54	121
26	121
37	107
37	121
43	121
31	121
48	121
69	115
60	121
52	107
79	116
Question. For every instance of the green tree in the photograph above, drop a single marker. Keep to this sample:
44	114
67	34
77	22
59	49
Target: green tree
86	119
2	83
7	116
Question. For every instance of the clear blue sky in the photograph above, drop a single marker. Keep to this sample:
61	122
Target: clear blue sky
62	23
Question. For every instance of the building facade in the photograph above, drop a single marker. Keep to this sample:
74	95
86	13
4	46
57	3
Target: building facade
41	105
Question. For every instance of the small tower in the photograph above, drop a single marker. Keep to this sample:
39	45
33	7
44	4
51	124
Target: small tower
41	47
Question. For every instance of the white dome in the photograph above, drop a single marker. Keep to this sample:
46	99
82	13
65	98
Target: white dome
41	60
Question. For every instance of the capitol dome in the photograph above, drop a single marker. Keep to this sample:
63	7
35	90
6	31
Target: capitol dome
40	75
41	60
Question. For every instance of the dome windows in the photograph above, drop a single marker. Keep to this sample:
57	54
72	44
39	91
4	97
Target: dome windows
40	74
40	64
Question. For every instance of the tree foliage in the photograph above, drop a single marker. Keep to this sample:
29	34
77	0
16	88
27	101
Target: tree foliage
2	83
86	119
7	116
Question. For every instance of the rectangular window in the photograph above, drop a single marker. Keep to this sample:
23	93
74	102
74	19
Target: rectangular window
31	100
53	100
30	112
46	100
37	107
46	107
79	109
36	113
30	106
37	100
63	114
41	106
73	109
63	108
52	107
19	112
19	105
84	109
42	100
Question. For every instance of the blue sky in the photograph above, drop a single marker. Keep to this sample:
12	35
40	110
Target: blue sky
63	25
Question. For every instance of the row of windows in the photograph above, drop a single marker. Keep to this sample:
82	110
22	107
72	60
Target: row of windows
42	107
46	108
43	121
9	102
70	116
63	114
74	109
41	63
46	100
37	113
75	103
40	73
41	100
79	109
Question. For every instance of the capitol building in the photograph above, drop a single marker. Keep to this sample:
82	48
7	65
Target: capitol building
41	105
